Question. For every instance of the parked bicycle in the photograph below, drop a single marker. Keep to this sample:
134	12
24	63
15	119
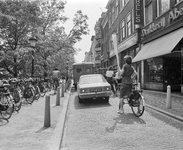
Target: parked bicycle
6	101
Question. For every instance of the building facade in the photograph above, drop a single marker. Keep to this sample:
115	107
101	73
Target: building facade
121	21
161	52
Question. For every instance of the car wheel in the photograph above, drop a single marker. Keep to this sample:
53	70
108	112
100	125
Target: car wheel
80	100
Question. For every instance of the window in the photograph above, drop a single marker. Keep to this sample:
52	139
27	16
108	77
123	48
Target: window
78	70
110	19
122	30
126	1
113	14
133	26
148	13
163	6
121	4
129	24
178	1
116	11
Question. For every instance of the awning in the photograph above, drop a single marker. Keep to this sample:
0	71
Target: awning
161	46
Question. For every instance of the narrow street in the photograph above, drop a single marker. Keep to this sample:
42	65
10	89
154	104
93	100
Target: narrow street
95	125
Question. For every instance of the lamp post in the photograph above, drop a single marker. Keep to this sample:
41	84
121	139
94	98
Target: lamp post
32	43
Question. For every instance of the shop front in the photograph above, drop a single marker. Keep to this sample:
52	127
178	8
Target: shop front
162	61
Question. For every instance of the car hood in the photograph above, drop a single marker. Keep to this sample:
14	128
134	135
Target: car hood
100	84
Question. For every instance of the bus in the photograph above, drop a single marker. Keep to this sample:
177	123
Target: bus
82	68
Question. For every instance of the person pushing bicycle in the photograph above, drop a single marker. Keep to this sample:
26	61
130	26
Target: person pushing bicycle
128	73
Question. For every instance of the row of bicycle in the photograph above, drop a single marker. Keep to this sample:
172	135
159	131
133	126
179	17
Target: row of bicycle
14	92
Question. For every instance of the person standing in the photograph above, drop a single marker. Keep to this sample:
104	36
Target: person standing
56	78
128	73
109	77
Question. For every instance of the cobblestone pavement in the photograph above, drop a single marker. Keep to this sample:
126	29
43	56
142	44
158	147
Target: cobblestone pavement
158	99
96	125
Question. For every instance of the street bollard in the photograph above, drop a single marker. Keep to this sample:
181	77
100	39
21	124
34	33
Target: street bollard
47	118
168	98
58	97
65	86
62	90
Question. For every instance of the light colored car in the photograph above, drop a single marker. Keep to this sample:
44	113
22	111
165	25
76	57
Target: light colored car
93	86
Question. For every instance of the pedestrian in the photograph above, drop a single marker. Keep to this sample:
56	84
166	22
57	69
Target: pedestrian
56	78
128	73
109	78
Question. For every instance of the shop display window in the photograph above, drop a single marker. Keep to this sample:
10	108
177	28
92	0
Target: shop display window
155	70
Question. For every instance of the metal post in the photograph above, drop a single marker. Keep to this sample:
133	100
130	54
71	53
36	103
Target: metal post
47	118
58	97
168	98
32	71
62	89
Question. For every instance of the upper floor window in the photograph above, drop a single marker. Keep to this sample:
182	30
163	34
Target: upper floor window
126	1
148	13
129	24
113	13
162	6
178	1
110	19
122	3
122	30
116	11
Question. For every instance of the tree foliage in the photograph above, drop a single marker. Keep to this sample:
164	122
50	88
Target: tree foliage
45	21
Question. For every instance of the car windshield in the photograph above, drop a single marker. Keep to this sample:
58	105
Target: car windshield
91	79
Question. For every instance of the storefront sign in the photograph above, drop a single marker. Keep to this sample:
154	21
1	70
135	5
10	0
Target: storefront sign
174	14
137	11
154	26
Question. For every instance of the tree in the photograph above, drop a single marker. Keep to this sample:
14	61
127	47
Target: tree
45	20
14	32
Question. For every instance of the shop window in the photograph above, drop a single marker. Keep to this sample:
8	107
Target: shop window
155	70
172	73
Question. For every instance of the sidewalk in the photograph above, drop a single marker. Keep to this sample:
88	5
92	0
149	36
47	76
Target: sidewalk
157	100
25	130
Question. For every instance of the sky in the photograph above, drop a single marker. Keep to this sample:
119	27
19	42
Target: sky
93	9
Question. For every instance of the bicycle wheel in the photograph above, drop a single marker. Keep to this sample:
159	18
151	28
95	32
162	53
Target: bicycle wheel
17	100
43	92
139	107
37	92
8	109
29	95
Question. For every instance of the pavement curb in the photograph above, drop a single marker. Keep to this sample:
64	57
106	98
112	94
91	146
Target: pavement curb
56	139
165	113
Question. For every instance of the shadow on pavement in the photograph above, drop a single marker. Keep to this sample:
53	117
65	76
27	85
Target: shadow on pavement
124	119
42	129
90	103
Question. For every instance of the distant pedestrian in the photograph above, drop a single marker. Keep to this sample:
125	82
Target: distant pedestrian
109	78
56	78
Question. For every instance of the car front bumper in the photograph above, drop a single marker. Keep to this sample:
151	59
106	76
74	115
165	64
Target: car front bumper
94	95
